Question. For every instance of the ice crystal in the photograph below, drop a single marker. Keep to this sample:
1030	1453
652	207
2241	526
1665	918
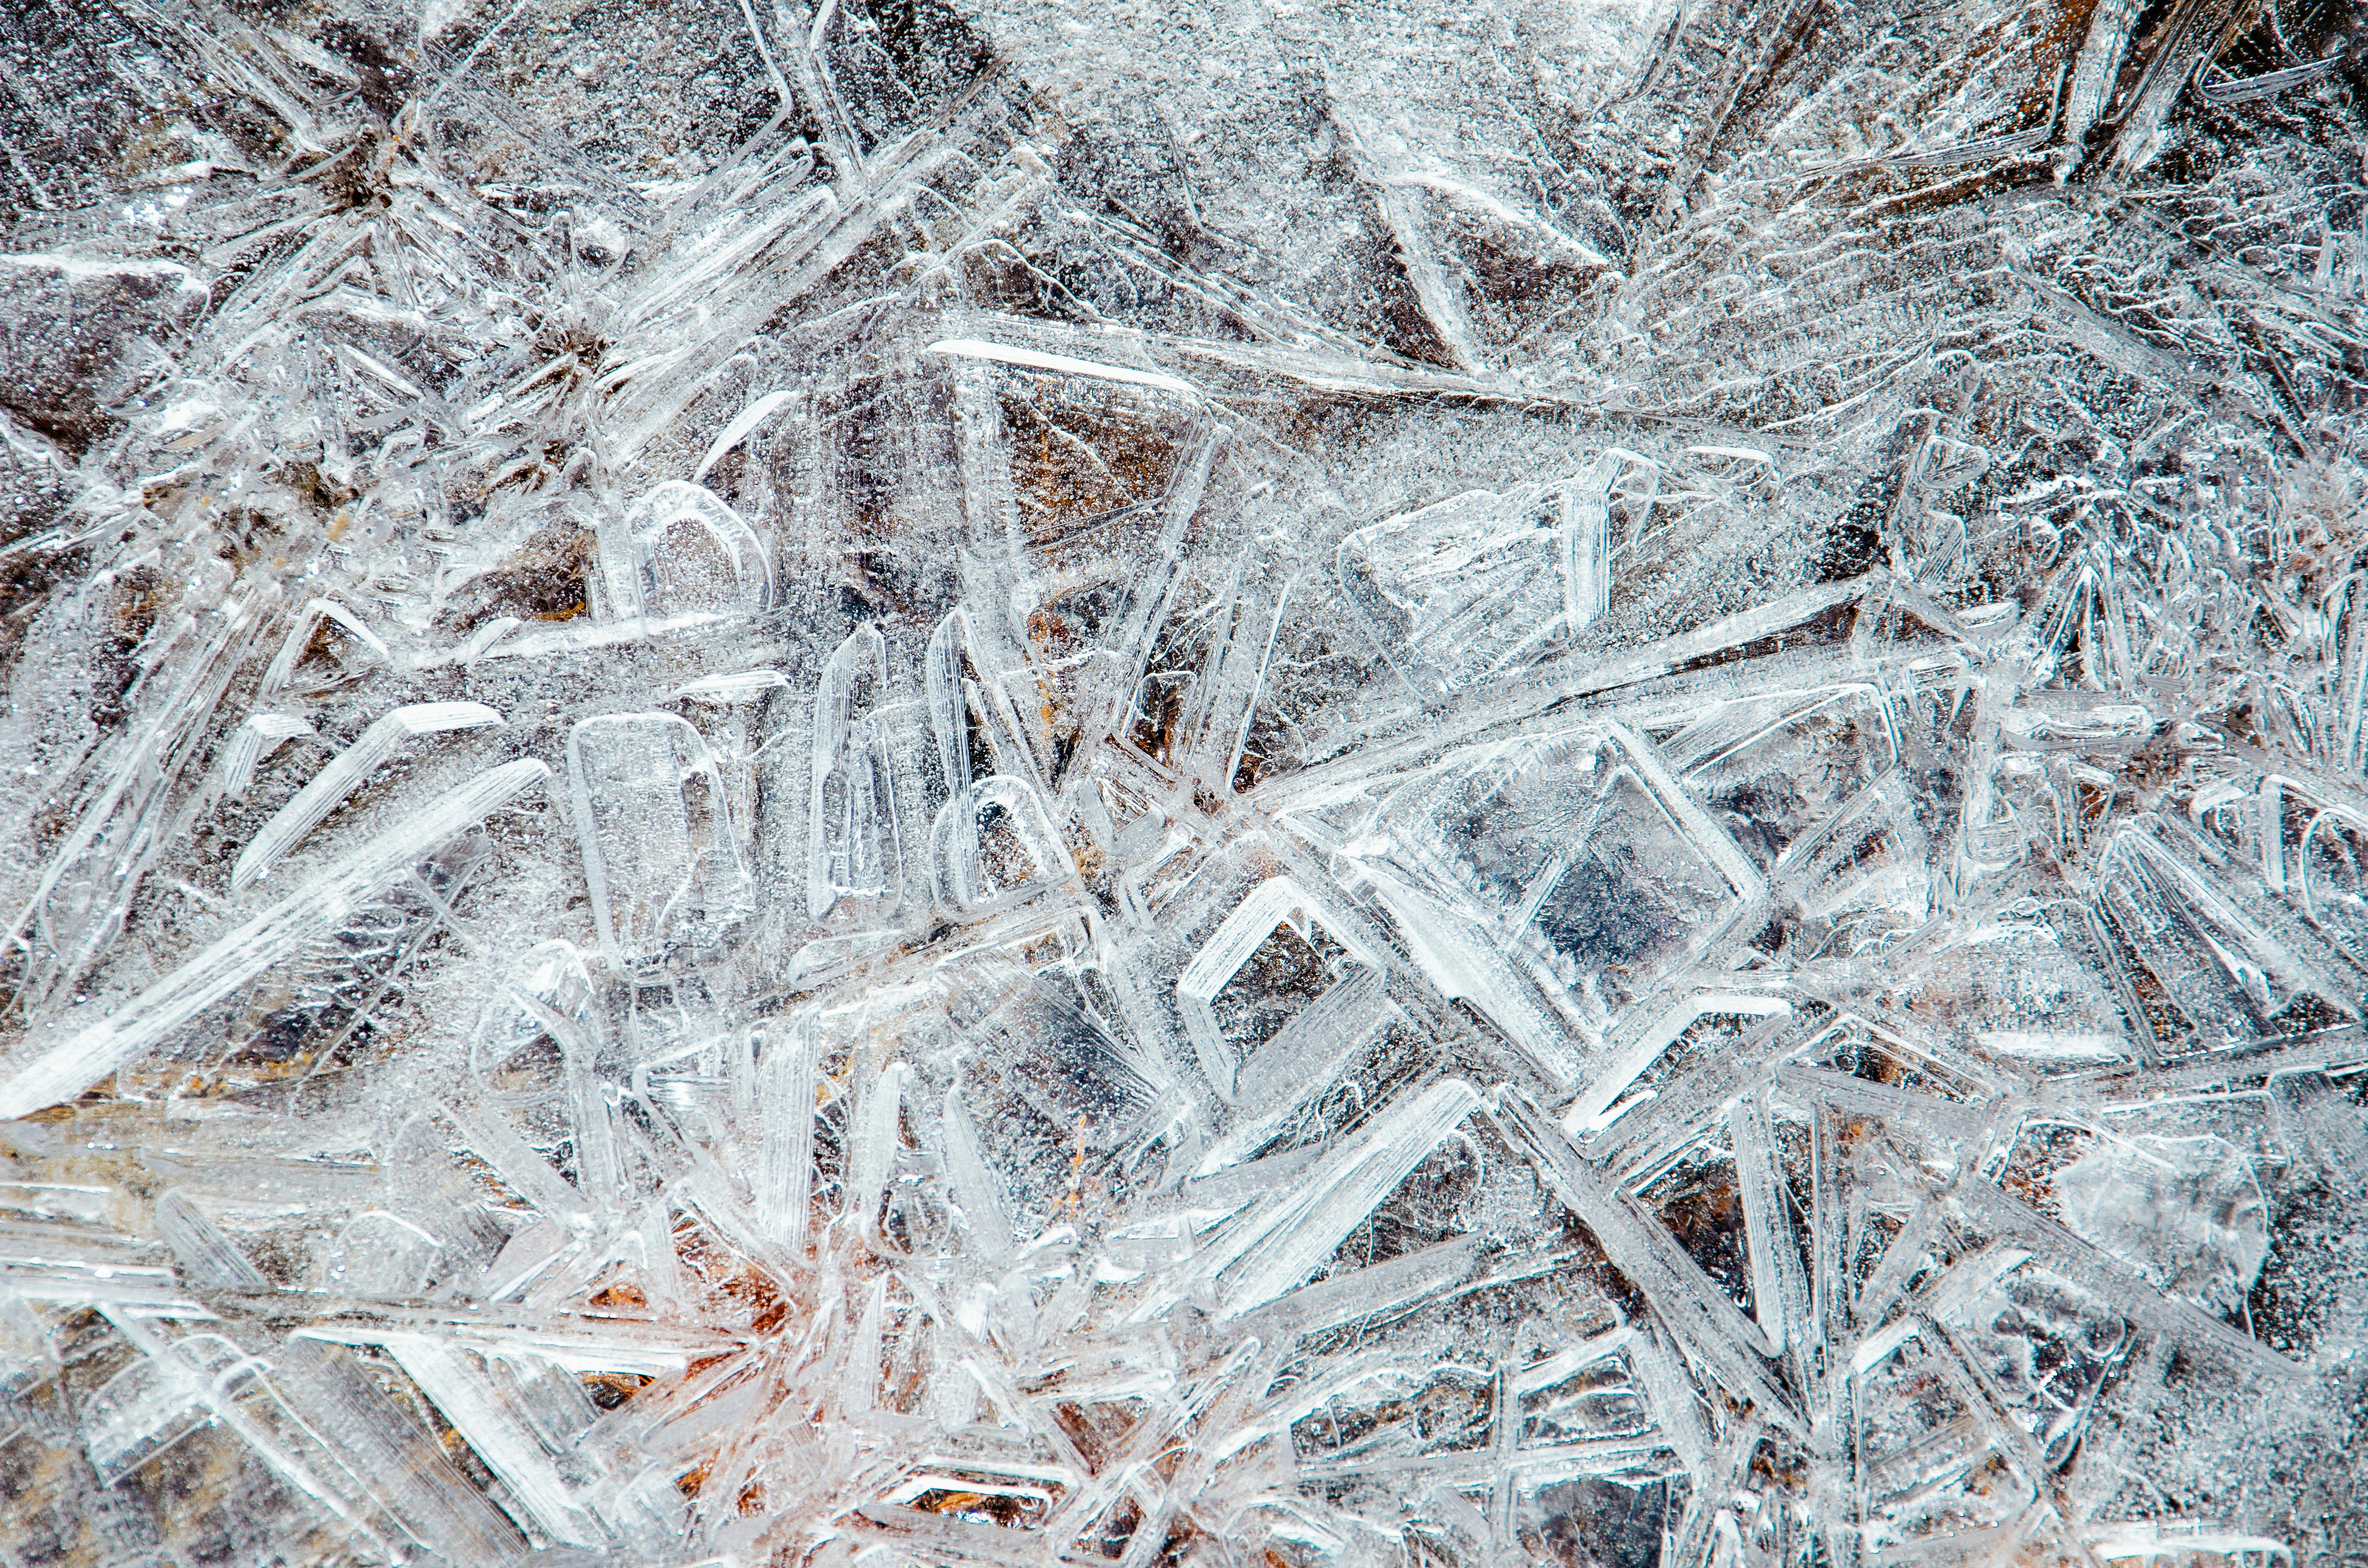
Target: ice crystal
1239	786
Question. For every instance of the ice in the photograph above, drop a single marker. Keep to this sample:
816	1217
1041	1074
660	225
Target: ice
854	854
993	842
659	853
1583	861
343	774
1274	907
1183	786
73	1058
2186	1211
78	328
1491	581
689	553
252	744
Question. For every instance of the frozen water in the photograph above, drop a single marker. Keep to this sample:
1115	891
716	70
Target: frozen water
1223	786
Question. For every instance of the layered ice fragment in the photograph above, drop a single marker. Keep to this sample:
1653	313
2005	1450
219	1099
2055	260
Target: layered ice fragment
71	1059
345	773
1482	584
650	808
2188	1211
1588	865
1276	993
684	551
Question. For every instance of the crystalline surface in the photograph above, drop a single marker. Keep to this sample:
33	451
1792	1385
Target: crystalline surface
1048	782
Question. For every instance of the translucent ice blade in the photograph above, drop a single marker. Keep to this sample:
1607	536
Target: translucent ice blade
2092	78
785	1108
853	856
136	1415
251	744
283	669
2124	1285
740	685
743	425
1590	865
995	843
1466	588
82	1267
1279	1245
207	1256
78	906
68	1063
2321	1121
524	1262
492	1424
1779	1291
859	1385
2229	974
1060	364
1458	960
345	773
1697	1310
975	1184
2188	1545
1301	1058
1932	1461
238	1392
1586	541
391	1457
948	720
600	1168
659	851
872	1139
1658	1127
1642	1042
378	1254
497	1143
581	1343
1383	1287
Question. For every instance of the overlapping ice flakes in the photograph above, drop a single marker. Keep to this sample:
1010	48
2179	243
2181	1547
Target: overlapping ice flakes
1221	786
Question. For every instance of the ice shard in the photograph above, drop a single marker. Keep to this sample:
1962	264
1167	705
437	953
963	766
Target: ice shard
48	1070
659	853
344	773
1183	786
854	856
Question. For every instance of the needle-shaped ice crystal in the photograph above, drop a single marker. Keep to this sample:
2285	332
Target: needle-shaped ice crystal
854	859
69	1063
345	773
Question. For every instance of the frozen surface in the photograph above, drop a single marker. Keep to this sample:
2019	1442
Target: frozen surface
1227	786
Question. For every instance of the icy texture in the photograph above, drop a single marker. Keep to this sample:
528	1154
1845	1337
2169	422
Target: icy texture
1244	786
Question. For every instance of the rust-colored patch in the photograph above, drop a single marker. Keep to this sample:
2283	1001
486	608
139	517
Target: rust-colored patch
547	578
1071	462
1097	1430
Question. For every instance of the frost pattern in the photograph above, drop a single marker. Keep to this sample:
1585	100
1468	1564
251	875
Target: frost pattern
1251	786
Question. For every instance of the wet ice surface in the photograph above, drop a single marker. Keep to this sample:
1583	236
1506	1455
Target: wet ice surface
1248	785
